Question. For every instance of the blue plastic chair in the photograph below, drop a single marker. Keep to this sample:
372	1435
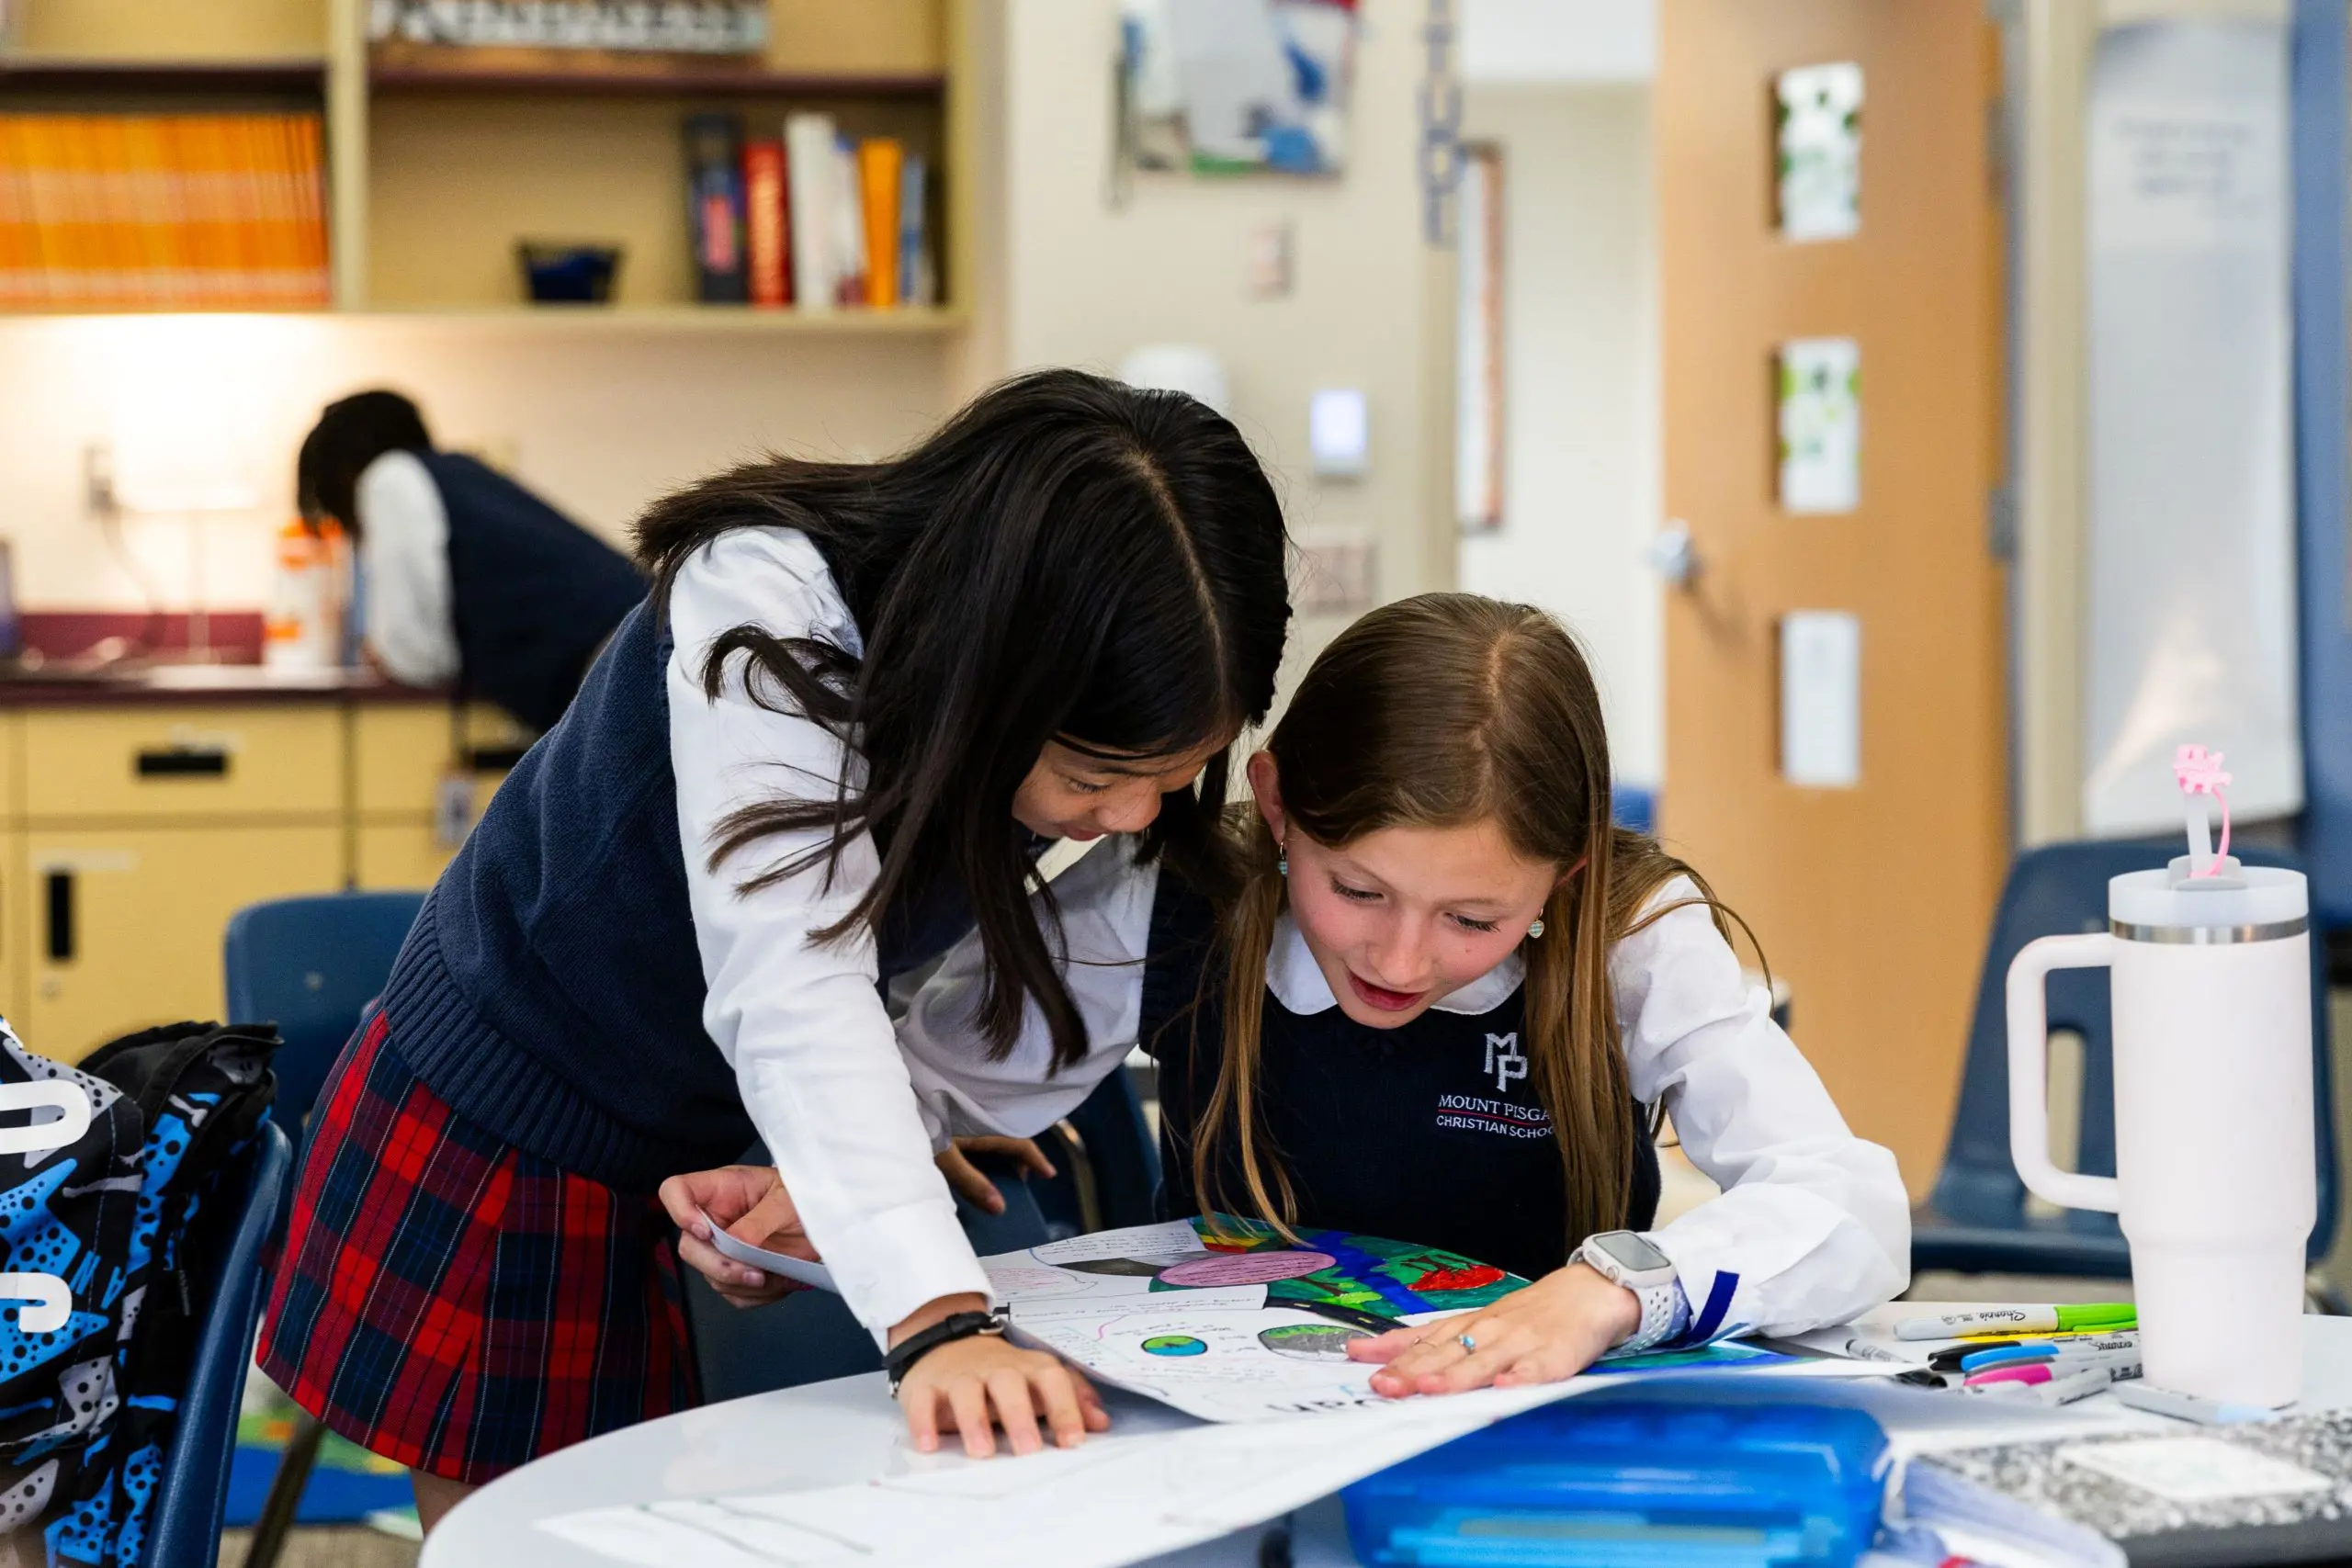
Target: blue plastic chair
309	965
1975	1219
1106	1164
184	1531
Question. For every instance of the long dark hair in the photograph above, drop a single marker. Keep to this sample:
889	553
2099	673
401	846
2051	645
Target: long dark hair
1441	711
1067	558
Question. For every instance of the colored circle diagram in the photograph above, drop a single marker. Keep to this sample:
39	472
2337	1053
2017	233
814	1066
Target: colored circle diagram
1246	1268
1174	1345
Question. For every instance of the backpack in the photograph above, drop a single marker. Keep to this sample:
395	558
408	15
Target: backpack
119	1200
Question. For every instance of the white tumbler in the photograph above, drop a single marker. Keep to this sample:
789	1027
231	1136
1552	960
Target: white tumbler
2212	983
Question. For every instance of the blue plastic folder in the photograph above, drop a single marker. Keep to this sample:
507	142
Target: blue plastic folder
1625	1478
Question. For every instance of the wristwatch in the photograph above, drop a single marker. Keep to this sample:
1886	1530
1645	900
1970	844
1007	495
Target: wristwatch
946	1331
1629	1258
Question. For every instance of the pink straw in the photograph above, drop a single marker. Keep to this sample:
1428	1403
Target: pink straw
2200	773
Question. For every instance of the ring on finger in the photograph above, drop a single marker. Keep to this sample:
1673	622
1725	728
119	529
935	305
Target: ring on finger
1466	1342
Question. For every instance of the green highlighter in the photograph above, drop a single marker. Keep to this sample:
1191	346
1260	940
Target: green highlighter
2092	1317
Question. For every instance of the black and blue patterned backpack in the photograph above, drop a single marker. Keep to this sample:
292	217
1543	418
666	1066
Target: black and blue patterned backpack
106	1202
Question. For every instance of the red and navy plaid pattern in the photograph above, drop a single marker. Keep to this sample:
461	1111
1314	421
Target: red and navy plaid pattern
456	1305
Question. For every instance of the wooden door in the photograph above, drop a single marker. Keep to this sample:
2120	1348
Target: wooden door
1873	900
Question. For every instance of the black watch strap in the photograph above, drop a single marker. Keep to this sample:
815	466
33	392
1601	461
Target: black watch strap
946	1331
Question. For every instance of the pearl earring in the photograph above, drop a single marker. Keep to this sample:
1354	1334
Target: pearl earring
1535	928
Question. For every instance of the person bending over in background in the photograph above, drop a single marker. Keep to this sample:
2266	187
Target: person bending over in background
467	578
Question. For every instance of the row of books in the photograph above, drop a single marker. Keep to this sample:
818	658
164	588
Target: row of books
124	211
682	27
811	219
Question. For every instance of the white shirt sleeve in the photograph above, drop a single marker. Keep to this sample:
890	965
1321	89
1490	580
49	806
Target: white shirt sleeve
1812	1226
803	1025
404	557
1105	905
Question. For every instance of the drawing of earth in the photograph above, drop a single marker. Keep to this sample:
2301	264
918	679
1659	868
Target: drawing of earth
1174	1345
1311	1341
1246	1268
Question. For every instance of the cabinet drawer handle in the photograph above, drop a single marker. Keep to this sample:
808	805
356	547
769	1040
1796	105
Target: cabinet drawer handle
183	763
60	917
492	759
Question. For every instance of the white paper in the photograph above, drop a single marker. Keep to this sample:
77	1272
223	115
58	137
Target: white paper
1821	698
797	1269
1818	136
1820	419
2196	1470
2190	631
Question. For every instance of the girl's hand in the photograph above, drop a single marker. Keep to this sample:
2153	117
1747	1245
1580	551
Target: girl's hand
971	1386
1553	1329
751	1202
973	1184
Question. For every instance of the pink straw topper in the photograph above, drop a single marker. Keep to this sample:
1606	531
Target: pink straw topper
2200	773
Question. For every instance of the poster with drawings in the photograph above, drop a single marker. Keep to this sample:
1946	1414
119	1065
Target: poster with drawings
1226	1319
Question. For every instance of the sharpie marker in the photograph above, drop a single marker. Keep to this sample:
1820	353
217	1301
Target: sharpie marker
2100	1315
2057	1390
2030	1350
1948	1358
2189	1407
2126	1366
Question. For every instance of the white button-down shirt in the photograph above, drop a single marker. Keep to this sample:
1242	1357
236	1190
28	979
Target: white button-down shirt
1812	1226
802	1024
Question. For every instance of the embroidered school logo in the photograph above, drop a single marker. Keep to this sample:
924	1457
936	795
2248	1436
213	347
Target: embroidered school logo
1504	1061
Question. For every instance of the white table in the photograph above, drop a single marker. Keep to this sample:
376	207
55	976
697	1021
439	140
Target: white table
849	1431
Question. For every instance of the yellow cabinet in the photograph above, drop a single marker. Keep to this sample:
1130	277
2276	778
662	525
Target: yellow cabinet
396	854
125	924
174	761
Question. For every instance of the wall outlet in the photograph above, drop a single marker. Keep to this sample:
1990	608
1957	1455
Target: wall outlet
99	499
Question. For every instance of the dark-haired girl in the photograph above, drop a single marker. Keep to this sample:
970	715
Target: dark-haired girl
859	701
1441	1007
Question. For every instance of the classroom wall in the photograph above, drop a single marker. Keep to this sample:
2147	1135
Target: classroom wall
1086	276
1581	435
600	419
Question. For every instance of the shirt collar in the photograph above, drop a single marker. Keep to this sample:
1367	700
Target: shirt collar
1297	980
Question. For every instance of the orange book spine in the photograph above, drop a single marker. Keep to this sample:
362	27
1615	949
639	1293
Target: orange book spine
767	229
19	244
880	160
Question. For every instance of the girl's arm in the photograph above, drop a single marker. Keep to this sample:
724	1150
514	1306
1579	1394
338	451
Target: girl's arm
405	540
1812	1226
802	1024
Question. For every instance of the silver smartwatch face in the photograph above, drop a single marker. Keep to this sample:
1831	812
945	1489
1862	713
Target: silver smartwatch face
1630	1250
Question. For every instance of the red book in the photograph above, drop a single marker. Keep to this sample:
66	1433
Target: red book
768	232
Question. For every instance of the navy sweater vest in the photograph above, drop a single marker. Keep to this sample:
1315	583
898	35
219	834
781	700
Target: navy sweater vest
533	593
552	990
1431	1133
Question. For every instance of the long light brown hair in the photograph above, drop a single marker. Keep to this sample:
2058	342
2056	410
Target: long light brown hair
1443	711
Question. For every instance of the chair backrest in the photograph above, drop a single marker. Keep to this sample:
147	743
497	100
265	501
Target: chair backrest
1117	1161
2055	890
309	965
184	1528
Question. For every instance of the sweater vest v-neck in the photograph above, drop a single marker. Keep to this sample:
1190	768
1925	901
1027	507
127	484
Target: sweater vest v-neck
551	989
1431	1132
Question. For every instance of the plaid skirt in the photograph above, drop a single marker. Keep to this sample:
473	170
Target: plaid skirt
458	1306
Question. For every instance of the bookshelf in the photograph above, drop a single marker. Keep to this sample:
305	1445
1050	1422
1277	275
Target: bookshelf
440	158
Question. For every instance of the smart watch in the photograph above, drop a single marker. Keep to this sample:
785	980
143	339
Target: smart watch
1631	1259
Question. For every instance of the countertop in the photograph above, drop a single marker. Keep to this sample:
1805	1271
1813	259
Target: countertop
162	684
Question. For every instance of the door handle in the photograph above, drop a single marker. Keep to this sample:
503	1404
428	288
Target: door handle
60	917
1674	555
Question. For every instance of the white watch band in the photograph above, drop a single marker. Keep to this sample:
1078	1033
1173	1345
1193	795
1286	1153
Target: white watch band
1665	1309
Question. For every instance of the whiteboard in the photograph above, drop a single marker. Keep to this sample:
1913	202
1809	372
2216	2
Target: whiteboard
2190	613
